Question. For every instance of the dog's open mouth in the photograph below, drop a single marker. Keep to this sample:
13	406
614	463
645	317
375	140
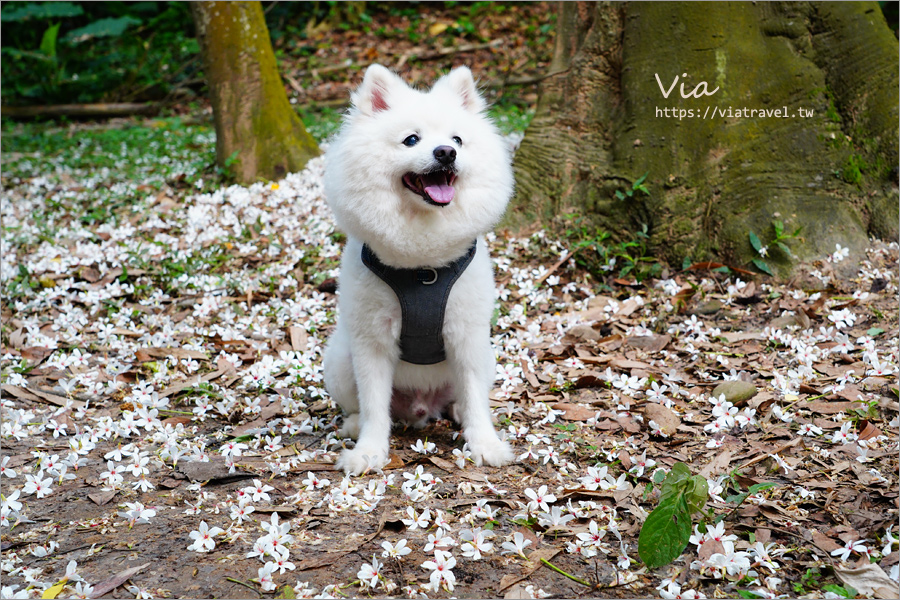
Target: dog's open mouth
435	187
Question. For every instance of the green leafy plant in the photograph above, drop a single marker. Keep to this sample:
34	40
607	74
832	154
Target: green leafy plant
592	250
101	28
739	498
779	241
26	11
635	257
62	52
845	591
637	186
810	580
666	532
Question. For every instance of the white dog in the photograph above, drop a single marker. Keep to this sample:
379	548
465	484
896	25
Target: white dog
415	180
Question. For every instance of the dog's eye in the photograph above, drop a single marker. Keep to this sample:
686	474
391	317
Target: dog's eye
458	140
411	141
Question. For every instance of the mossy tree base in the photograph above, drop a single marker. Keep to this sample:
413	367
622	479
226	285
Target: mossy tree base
258	133
601	123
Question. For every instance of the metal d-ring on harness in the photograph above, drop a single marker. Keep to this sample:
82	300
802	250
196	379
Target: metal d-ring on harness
423	294
434	276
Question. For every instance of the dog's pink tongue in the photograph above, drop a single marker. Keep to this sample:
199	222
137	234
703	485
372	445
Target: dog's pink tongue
438	189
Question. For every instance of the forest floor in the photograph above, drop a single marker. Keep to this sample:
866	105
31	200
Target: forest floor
159	328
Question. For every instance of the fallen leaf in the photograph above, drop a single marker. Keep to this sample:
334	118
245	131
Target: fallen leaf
866	430
213	471
105	587
281	510
628	424
173	421
321	561
437	28
298	337
36	395
260	422
665	418
588	381
710	547
624	364
574	412
53	591
825	543
648	343
101	498
719	464
516	591
178	353
736	391
395	462
829	407
36	354
191	383
312	466
531	565
868	580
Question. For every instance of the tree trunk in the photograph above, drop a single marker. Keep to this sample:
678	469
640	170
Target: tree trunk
601	123
258	134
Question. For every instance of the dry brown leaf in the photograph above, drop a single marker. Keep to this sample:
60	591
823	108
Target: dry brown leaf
531	565
589	381
269	508
179	387
178	353
648	343
664	417
829	407
628	424
105	587
866	430
214	470
36	354
869	580
101	498
298	337
36	395
265	415
624	364
710	547
719	464
17	338
173	421
575	412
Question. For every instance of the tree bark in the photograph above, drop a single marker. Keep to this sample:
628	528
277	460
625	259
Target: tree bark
601	124
258	133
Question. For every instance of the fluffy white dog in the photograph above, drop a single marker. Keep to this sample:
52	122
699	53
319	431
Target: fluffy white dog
415	179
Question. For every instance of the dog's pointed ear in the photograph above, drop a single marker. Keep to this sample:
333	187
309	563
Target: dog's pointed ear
374	94
461	83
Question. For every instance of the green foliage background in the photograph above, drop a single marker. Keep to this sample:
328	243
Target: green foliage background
84	52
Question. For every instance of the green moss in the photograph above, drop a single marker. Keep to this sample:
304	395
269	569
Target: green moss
852	172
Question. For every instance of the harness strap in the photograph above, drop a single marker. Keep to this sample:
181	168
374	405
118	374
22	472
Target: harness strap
423	294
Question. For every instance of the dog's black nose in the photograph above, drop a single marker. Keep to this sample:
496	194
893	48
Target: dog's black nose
445	155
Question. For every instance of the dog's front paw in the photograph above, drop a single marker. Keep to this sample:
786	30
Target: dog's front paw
361	459
490	450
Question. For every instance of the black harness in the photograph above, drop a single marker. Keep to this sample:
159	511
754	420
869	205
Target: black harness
423	297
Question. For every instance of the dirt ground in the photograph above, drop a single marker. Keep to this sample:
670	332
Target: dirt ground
613	375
